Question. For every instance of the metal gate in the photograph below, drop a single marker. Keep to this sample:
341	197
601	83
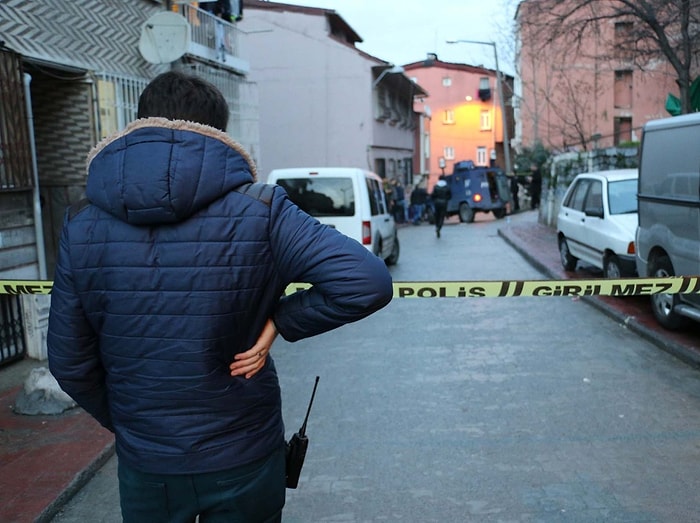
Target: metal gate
12	344
15	175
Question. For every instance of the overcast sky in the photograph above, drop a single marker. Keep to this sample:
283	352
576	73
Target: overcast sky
404	31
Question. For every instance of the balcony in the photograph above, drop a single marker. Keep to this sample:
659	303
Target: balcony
213	39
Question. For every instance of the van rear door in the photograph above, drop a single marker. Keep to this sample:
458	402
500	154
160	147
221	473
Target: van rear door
330	199
381	222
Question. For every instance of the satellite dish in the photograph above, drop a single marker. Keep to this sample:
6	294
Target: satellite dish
165	37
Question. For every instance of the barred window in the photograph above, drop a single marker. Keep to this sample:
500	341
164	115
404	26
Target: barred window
118	101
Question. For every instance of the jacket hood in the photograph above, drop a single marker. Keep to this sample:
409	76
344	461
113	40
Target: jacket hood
159	171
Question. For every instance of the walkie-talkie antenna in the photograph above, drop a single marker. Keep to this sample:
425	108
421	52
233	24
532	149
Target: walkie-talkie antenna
302	430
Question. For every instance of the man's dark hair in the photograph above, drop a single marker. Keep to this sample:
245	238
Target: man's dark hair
179	96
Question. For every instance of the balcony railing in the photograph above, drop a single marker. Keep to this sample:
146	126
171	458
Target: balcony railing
213	38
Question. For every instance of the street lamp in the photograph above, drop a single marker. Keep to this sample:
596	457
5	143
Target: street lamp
499	86
394	69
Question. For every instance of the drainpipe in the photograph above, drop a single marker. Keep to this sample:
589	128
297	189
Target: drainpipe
38	222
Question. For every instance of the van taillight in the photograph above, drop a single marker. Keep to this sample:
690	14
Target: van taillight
477	197
630	248
366	233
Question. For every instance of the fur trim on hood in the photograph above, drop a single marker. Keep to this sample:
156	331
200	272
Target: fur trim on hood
179	125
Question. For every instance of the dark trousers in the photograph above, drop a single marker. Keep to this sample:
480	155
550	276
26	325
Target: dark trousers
440	212
253	493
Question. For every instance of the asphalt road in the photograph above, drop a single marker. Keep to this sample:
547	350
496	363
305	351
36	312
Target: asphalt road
480	410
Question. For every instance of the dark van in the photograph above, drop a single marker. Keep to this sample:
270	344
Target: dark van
477	189
668	234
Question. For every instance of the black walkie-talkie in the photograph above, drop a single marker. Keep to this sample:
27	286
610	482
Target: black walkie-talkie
296	448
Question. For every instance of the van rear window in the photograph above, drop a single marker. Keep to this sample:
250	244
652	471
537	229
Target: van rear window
321	196
669	170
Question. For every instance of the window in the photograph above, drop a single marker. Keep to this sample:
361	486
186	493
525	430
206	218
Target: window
578	195
375	196
407	170
380	167
594	200
622	196
624	40
449	116
446	81
383	106
118	98
622	130
485	120
321	196
449	153
484	89
623	89
481	156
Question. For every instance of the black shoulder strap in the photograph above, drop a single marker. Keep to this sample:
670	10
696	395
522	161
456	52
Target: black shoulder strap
77	207
258	190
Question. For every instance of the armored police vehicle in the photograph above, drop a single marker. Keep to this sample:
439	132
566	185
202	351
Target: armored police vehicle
477	189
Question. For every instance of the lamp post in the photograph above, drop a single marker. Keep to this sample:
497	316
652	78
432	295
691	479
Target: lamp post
499	87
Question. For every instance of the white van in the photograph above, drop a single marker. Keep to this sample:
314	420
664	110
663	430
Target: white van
668	235
348	199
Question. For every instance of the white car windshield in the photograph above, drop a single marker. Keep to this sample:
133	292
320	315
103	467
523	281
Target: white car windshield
622	196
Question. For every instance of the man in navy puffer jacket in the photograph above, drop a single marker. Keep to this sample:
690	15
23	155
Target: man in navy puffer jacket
168	293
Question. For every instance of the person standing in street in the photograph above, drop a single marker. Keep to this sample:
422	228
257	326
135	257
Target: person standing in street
535	186
399	197
514	190
440	196
168	293
419	197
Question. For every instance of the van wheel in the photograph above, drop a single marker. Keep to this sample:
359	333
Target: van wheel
395	251
662	304
567	260
499	213
611	267
466	213
377	249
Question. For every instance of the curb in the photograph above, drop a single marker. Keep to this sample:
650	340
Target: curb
684	354
79	481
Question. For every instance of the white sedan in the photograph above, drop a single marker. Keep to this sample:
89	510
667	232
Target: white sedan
597	222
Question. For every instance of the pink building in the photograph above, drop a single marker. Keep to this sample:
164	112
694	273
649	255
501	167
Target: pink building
465	118
593	96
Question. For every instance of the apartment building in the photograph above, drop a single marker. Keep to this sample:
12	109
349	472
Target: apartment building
322	101
585	94
466	119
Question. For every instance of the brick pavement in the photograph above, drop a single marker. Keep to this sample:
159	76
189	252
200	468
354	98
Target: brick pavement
44	460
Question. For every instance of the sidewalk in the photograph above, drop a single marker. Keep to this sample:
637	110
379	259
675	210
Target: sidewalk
45	460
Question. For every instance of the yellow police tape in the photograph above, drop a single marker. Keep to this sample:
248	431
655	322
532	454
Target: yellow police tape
479	289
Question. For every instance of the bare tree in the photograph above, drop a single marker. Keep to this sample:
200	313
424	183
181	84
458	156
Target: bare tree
574	120
645	31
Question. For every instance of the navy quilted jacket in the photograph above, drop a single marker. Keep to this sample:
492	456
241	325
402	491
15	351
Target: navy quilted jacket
168	273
